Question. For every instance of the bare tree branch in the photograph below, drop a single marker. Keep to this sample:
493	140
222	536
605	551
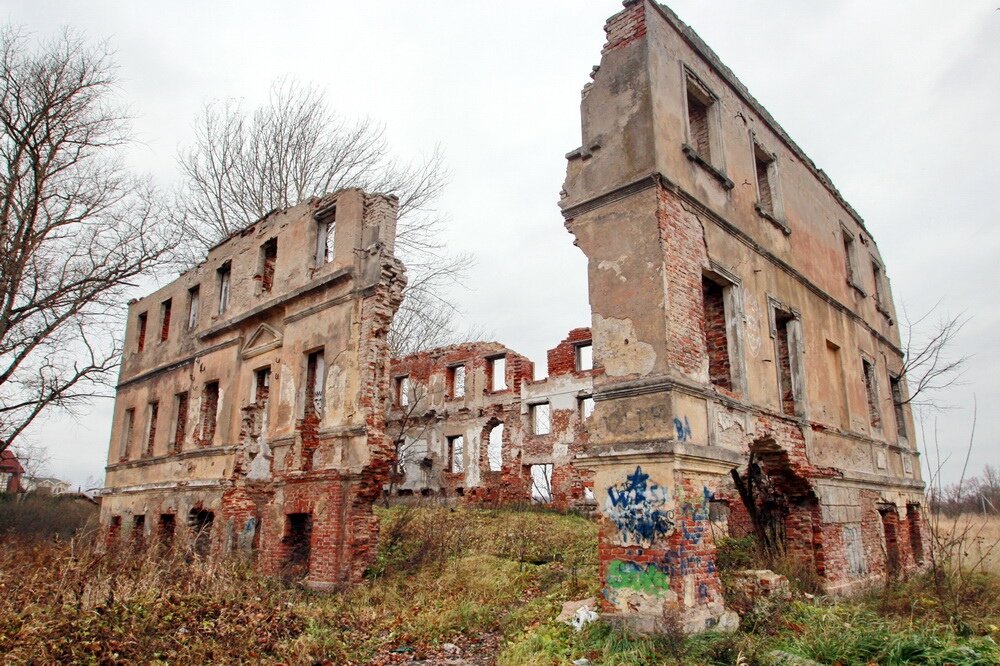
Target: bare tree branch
929	366
76	229
244	164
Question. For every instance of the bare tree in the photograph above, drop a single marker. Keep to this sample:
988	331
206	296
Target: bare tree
76	229
245	164
929	364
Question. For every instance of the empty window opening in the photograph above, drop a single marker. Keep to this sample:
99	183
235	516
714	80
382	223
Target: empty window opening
223	278
153	413
699	120
456	381
837	384
200	521
315	383
716	335
871	391
297	543
209	412
787	361
167	528
324	237
584	357
261	385
498	373
194	304
896	386
268	258
165	308
127	427
850	258
540	422
456	453
141	342
139	531
180	420
890	522
402	393
877	277
916	539
764	166
114	529
586	407
541	483
494	449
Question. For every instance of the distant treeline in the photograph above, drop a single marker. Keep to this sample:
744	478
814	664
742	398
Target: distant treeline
978	494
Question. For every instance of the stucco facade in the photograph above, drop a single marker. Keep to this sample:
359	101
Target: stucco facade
741	316
250	409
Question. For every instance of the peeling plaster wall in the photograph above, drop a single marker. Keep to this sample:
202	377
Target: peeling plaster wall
655	217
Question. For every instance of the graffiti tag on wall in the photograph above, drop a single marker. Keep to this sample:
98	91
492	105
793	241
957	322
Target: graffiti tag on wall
639	509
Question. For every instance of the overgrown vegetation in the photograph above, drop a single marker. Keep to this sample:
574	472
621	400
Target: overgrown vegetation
482	585
40	516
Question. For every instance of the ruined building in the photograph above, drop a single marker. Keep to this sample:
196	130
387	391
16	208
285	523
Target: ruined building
741	320
471	421
741	371
250	410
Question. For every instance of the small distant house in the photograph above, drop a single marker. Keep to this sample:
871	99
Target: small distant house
46	485
11	472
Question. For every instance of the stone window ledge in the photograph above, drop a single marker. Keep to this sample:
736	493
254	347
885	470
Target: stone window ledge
695	156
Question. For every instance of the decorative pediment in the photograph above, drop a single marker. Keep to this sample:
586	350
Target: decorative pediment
264	339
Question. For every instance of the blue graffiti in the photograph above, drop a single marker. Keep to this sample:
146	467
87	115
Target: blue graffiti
639	509
702	590
683	429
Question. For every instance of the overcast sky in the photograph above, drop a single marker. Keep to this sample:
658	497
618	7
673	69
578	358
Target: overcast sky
899	102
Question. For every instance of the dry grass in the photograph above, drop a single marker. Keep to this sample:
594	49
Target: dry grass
981	547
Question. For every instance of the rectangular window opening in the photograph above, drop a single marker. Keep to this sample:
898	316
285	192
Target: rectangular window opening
200	521
167	528
297	544
141	341
315	383
402	392
716	331
456	381
261	385
871	391
223	278
586	407
209	412
763	163
540	419
879	286
456	454
783	344
268	258
325	227
584	357
180	420
153	414
896	385
498	373
850	258
165	308
193	303
139	530
699	120
127	428
541	483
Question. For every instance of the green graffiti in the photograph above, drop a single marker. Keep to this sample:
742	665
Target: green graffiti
648	578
